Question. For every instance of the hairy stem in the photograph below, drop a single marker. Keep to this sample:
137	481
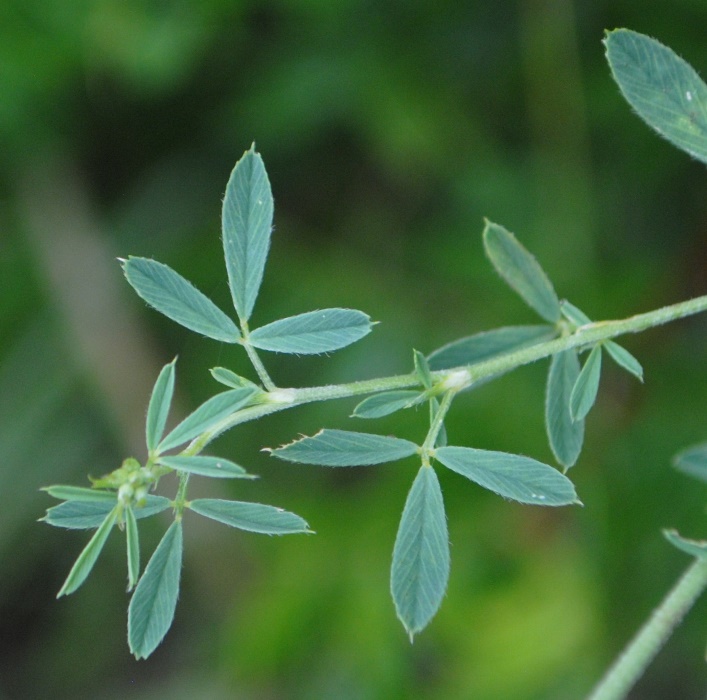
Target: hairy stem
255	359
436	426
583	336
634	660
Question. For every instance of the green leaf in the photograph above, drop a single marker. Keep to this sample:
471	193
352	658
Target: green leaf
158	409
247	226
80	493
133	542
665	90
82	568
573	314
83	515
204	417
152	606
566	436
512	476
253	517
624	359
386	403
696	548
621	356
693	461
420	570
521	271
422	369
313	332
231	379
206	466
170	294
344	448
488	344
585	389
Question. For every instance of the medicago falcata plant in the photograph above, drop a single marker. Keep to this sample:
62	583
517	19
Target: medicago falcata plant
665	92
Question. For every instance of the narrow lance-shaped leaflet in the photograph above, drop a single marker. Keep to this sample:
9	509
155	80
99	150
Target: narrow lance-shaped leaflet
247	226
158	408
253	517
566	435
420	569
521	271
313	333
152	606
170	294
345	448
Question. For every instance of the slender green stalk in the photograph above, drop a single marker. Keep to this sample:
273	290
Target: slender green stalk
589	334
429	443
642	649
255	359
181	498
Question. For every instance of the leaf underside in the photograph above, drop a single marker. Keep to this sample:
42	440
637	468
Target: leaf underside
565	435
172	295
521	271
154	601
208	414
313	333
512	476
420	569
488	344
665	90
345	448
254	517
83	515
247	226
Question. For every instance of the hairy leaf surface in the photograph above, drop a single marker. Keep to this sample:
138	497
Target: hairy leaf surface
152	606
170	294
488	344
665	90
584	392
208	414
386	403
247	226
158	409
254	517
82	568
512	476
85	515
566	436
345	448
420	569
313	332
521	271
204	465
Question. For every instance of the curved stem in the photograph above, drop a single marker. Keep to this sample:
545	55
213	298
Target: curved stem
583	336
634	660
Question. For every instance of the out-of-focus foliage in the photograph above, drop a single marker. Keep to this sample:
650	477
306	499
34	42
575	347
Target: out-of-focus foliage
390	130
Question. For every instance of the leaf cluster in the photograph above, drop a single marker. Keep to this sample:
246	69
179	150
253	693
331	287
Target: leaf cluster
421	553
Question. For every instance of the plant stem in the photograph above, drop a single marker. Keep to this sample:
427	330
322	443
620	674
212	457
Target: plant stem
586	335
437	423
634	660
255	358
181	497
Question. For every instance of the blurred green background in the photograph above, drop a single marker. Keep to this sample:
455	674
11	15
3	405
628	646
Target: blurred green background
389	130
